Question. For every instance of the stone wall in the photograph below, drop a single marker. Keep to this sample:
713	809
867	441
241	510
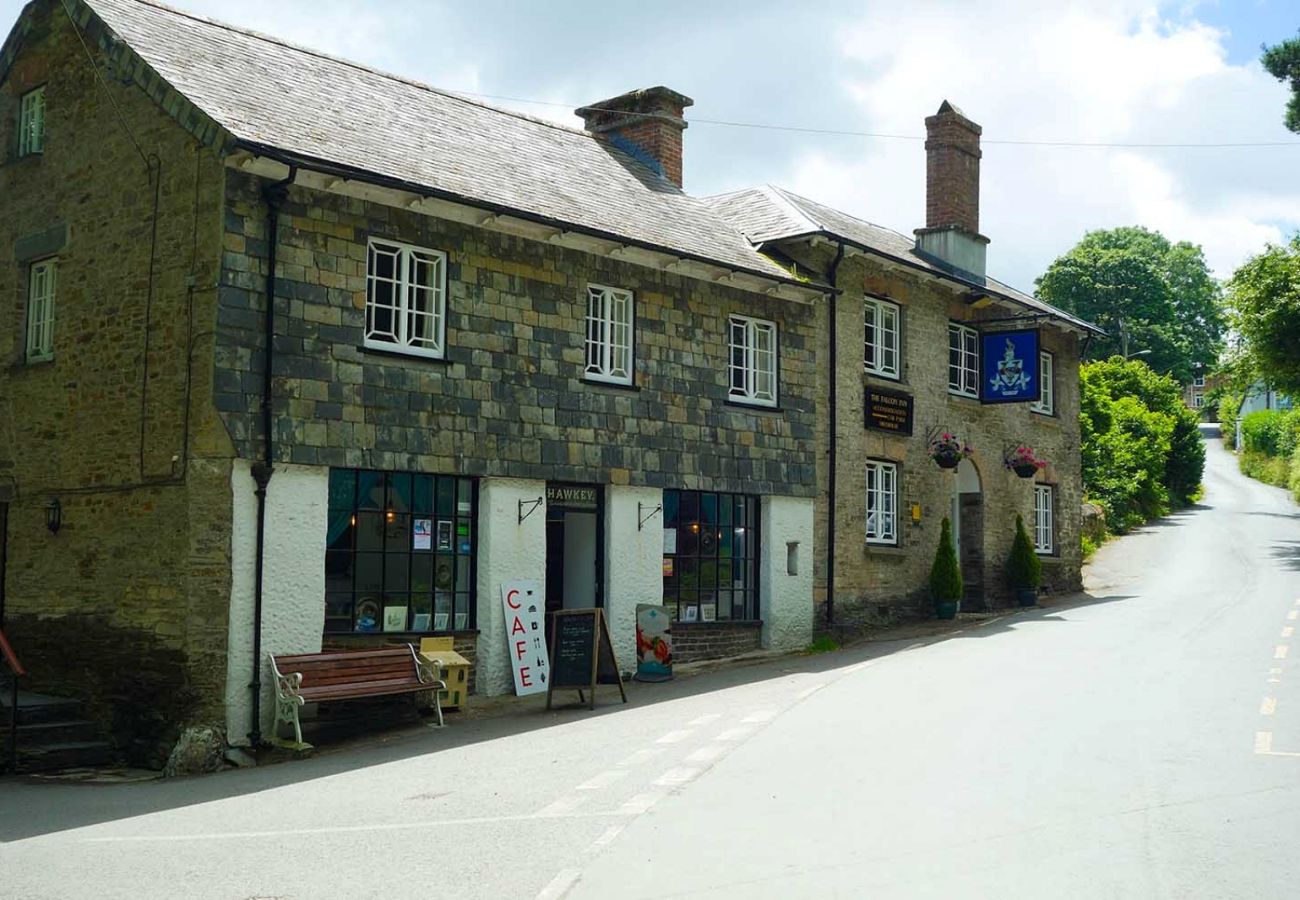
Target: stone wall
695	641
509	399
119	425
876	583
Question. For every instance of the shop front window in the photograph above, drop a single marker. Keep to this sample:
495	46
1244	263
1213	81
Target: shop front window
710	556
400	552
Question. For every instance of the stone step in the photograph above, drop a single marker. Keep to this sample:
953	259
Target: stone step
36	708
67	755
36	733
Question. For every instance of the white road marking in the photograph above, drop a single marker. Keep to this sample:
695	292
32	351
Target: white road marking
1263	741
735	734
1293	615
559	885
674	737
639	804
1268	706
611	834
679	776
704	719
1276	670
603	780
763	715
706	754
561	807
1281	651
641	756
809	691
1288	631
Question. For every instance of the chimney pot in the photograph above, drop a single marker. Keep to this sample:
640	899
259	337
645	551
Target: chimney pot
647	123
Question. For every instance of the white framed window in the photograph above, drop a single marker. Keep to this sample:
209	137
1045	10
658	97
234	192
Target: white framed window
609	334
1198	401
406	297
1046	402
31	123
882	502
41	280
963	360
752	344
882	351
1043	523
1198	381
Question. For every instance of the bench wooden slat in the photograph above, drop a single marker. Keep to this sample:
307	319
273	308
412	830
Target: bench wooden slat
334	655
319	695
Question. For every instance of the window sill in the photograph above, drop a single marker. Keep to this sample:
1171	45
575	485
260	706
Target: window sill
1045	416
746	623
596	382
30	365
885	550
402	635
881	376
753	407
965	398
402	354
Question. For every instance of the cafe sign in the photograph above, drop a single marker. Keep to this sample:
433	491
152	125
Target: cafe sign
888	411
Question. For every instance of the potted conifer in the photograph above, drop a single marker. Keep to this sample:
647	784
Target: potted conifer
1024	568
945	576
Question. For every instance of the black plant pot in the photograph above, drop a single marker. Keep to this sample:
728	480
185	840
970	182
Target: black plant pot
1025	470
1027	596
948	460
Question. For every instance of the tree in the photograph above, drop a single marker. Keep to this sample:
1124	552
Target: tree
1152	296
1264	297
1283	63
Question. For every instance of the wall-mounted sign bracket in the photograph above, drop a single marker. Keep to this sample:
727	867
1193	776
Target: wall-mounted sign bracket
532	507
642	516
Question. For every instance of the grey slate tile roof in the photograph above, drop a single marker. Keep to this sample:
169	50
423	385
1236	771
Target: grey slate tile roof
769	214
267	92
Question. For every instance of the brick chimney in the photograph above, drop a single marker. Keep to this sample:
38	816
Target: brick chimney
647	124
952	192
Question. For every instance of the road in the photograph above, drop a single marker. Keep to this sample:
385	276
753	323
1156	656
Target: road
1143	742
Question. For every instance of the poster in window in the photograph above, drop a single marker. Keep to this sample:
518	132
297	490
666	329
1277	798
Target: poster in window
462	621
708	614
462	536
422	534
668	567
691	614
1009	367
440	621
670	540
394	618
421	622
444	535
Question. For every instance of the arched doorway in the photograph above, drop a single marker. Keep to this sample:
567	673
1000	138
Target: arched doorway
968	533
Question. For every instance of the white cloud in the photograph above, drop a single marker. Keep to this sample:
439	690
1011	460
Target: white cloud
1114	72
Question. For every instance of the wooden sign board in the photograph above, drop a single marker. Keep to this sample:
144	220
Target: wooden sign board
582	655
888	410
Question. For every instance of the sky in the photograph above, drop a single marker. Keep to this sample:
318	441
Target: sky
1074	71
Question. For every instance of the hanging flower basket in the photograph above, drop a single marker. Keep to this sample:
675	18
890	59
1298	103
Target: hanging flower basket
1022	461
948	452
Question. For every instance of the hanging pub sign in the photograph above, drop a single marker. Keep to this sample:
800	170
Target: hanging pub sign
1009	366
888	410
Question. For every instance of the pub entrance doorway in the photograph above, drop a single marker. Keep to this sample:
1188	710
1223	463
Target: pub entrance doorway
968	534
575	547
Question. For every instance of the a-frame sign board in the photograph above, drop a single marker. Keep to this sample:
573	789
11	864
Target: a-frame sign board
582	655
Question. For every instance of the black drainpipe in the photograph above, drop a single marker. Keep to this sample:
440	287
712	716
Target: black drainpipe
275	194
830	484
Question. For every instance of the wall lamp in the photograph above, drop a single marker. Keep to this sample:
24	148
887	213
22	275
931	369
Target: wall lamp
54	515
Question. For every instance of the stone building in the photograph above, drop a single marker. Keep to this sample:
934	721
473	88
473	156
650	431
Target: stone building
300	354
913	331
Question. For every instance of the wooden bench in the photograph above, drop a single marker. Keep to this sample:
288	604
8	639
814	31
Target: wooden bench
349	675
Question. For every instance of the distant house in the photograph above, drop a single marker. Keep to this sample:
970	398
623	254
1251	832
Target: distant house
1259	396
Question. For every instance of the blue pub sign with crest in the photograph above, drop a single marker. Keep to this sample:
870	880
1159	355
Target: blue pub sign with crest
1009	366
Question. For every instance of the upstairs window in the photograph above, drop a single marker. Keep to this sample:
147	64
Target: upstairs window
40	310
752	346
882	338
609	334
1045	403
406	295
31	123
963	360
1043	518
1198	381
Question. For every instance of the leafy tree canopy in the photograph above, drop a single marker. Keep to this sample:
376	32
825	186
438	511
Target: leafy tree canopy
1283	63
1136	282
1264	297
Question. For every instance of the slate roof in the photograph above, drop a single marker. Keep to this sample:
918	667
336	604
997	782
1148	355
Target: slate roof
268	93
769	214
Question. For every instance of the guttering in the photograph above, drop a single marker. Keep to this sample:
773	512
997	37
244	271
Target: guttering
274	194
833	295
316	164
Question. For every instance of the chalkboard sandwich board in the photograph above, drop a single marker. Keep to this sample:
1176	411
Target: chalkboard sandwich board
582	655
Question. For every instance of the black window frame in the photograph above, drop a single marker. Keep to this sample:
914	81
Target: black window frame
350	512
688	558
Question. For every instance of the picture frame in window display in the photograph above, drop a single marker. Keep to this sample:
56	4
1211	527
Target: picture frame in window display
395	618
420	622
444	573
691	614
440	621
462	621
708	613
444	535
368	615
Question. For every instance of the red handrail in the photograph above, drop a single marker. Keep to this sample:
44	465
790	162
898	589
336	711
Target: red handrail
10	658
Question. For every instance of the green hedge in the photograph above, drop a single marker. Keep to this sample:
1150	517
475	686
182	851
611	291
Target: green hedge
1272	432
